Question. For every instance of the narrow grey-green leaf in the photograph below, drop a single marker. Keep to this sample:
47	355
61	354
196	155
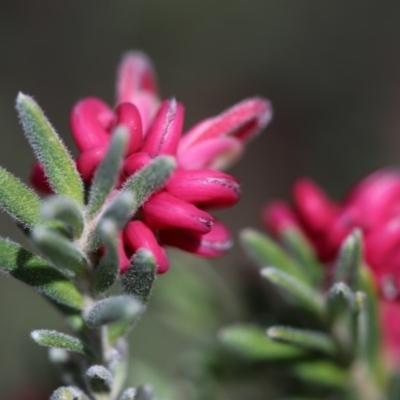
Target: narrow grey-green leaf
68	393
252	343
265	252
302	251
362	339
18	200
120	209
304	295
37	273
60	251
348	263
304	338
51	338
65	210
99	379
394	387
114	309
59	166
128	394
150	179
107	270
144	392
107	173
322	373
340	300
138	280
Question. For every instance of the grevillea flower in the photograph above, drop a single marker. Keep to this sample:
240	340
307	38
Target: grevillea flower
373	205
178	215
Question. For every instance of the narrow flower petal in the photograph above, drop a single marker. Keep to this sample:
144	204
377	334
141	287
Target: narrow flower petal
165	132
205	188
38	179
90	120
134	163
163	210
89	160
242	121
137	235
212	244
278	216
128	115
315	210
217	153
135	74
377	197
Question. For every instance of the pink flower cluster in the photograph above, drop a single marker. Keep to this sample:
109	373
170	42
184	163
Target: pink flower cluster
178	215
373	205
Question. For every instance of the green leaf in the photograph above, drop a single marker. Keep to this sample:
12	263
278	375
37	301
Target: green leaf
304	338
99	379
51	338
107	270
150	179
59	166
348	263
138	280
362	338
37	273
120	209
304	295
340	300
65	210
144	392
114	309
252	342
60	251
394	387
68	393
266	253
19	201
107	173
300	248
322	373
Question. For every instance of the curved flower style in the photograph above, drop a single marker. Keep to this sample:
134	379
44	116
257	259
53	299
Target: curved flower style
373	205
178	214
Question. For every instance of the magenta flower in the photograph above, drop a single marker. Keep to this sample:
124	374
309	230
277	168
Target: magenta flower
373	205
178	215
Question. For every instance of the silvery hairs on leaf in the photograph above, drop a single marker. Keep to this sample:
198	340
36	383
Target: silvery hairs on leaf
18	200
51	338
59	166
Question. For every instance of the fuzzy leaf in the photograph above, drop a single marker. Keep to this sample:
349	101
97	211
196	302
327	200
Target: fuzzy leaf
303	338
106	175
60	168
340	300
51	338
322	373
348	263
114	309
18	200
150	179
68	393
138	280
60	251
99	379
265	252
107	270
120	209
65	210
362	339
303	295
144	392
128	394
37	273
252	343
302	251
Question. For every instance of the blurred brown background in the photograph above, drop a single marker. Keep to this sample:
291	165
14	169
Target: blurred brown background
331	69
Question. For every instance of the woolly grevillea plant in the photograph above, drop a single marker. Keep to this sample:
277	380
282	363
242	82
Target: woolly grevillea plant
136	186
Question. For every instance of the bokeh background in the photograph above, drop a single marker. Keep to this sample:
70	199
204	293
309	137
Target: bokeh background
331	69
